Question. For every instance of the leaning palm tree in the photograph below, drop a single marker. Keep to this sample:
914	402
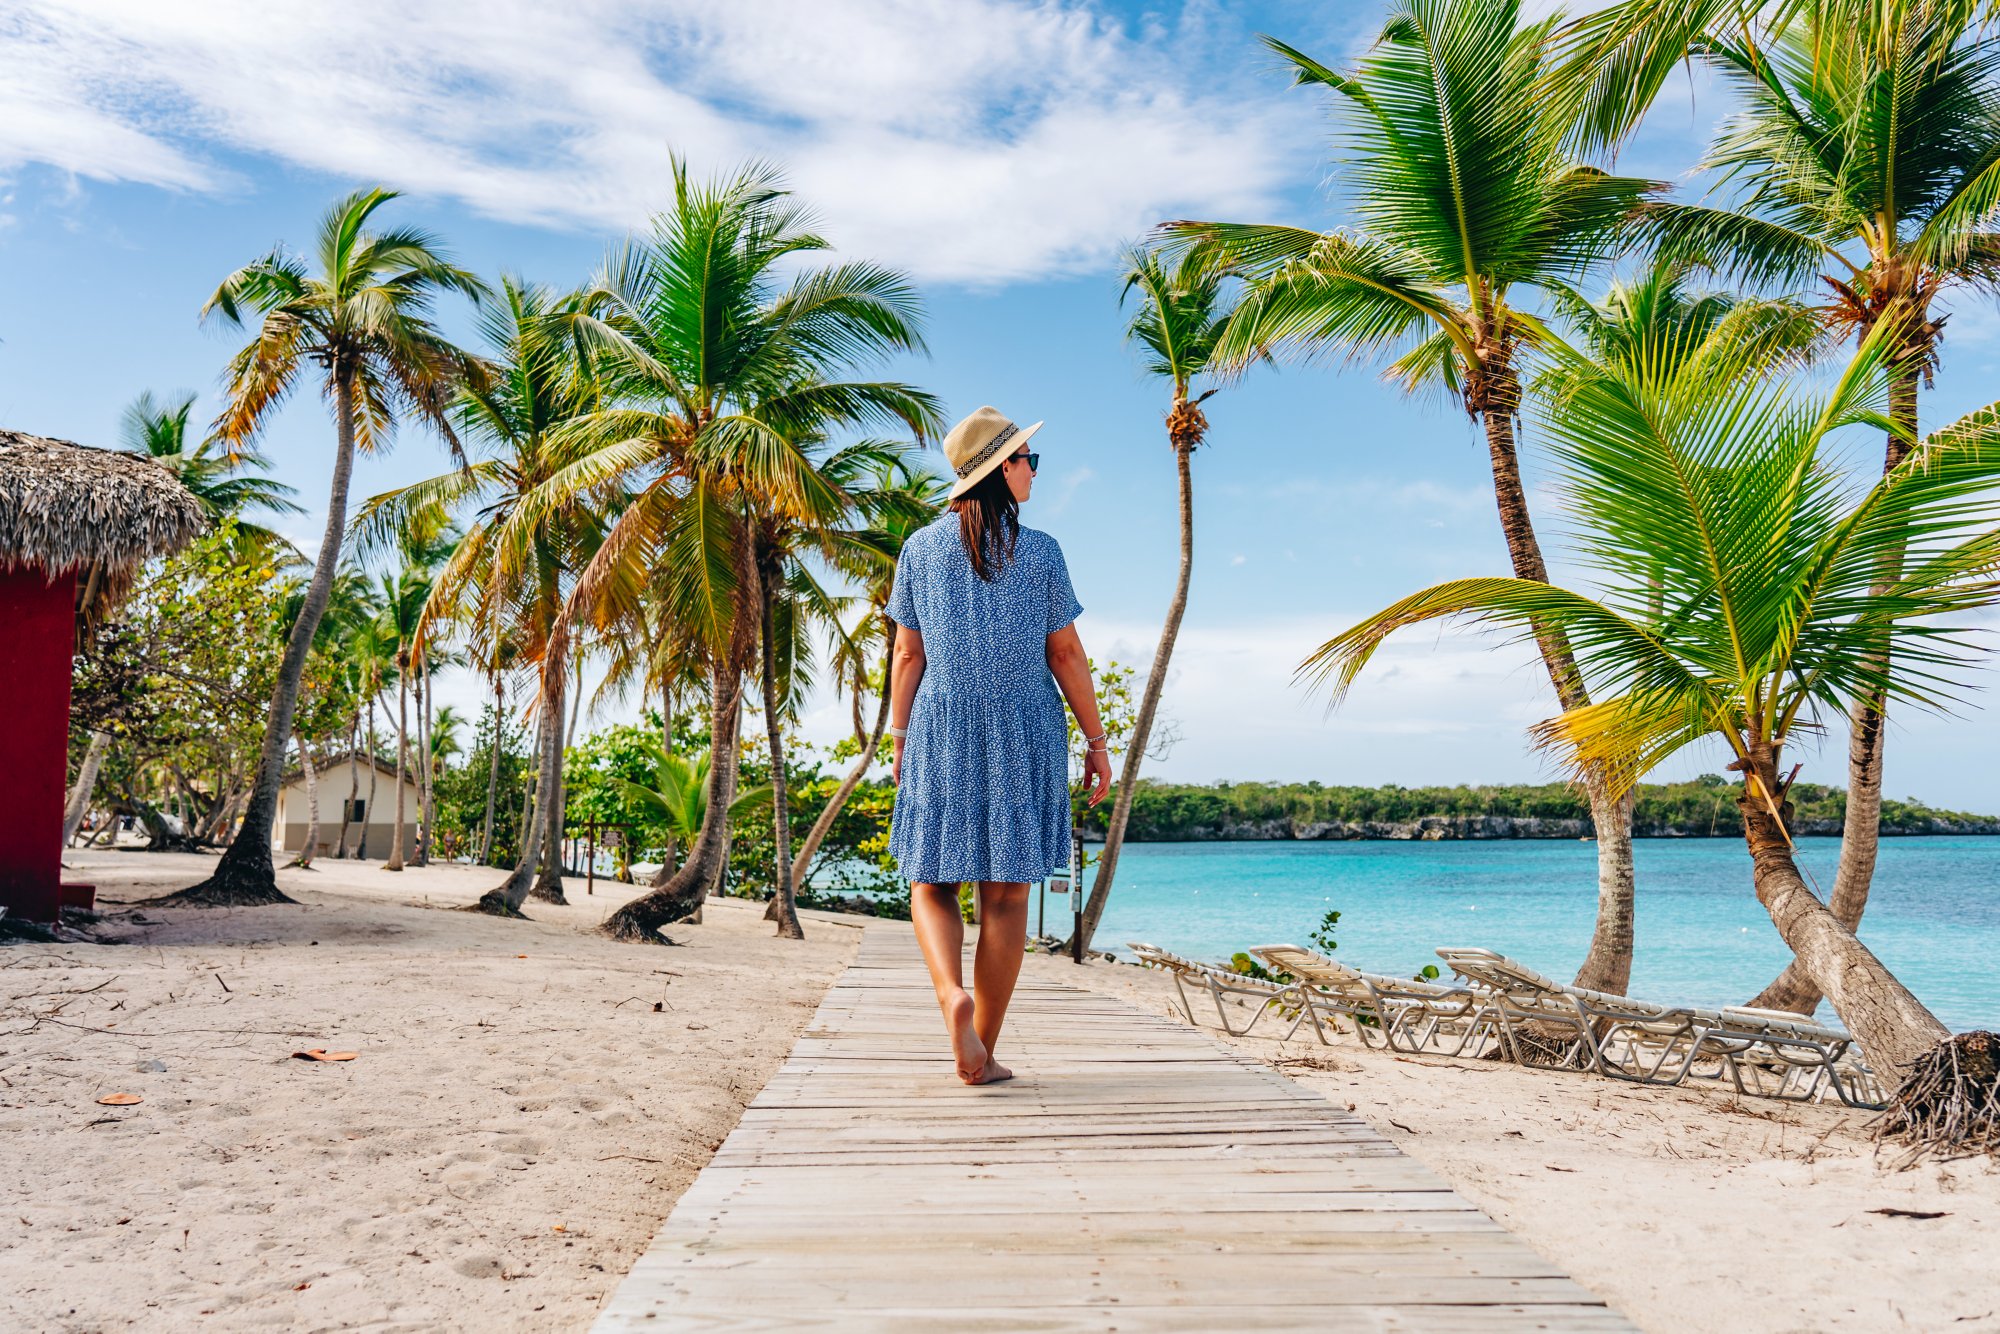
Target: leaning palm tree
1744	599
714	362
226	483
1183	313
1864	156
1467	191
364	320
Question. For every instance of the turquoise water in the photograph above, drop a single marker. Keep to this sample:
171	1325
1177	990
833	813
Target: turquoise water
1933	916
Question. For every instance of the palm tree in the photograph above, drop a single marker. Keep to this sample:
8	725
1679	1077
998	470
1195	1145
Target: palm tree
225	483
896	504
1713	498
678	796
1865	154
1180	321
362	319
715	365
402	595
1467	189
445	743
508	577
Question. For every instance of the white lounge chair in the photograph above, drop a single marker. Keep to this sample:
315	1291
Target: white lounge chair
1763	1053
1404	1015
1780	1054
1640	1041
1221	982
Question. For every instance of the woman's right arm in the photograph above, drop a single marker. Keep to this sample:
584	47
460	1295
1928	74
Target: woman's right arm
906	668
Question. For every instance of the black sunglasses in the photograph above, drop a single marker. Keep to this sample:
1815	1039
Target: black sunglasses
1034	460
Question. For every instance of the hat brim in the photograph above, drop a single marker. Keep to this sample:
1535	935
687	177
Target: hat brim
973	478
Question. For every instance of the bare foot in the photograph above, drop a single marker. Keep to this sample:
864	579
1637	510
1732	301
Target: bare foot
966	1049
992	1074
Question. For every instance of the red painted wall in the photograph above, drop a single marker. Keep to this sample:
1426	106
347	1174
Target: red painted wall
37	634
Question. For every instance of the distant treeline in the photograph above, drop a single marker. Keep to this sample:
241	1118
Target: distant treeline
1181	812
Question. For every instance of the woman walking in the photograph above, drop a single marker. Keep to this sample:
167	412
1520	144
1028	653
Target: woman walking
985	635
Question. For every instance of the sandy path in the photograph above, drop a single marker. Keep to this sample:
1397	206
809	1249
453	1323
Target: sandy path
1687	1209
509	1139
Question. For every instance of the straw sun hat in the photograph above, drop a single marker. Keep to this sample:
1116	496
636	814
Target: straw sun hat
981	443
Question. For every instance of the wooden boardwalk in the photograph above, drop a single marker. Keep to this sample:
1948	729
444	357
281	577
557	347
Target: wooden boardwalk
1134	1176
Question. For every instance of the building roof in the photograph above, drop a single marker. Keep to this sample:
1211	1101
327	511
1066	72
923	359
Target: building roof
382	767
98	512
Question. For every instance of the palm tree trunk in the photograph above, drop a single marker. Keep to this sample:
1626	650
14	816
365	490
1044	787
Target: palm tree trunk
1892	1026
493	768
86	783
1608	965
246	875
423	767
1149	703
668	851
548	886
374	774
784	908
310	844
507	898
353	783
395	862
809	849
682	894
1861	823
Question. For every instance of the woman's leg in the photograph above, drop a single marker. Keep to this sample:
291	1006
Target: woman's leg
1003	940
941	936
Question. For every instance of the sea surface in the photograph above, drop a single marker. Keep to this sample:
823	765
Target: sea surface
1702	937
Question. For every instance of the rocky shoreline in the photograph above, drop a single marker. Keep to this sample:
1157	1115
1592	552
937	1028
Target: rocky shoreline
1453	828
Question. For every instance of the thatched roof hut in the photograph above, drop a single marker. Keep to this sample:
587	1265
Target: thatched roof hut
97	512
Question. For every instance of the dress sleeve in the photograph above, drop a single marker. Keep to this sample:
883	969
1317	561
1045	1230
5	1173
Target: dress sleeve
902	606
1063	606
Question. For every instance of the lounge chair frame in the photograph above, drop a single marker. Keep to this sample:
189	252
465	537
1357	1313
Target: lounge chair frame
1420	1018
1218	983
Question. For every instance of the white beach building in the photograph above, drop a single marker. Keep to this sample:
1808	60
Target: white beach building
372	786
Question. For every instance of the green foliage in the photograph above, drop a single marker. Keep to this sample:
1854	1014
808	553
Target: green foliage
602	771
1182	812
1322	935
461	789
180	677
1240	962
853	862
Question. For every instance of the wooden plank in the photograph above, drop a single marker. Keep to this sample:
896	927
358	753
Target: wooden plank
1136	1176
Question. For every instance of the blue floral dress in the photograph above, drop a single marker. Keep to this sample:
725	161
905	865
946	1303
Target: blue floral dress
985	788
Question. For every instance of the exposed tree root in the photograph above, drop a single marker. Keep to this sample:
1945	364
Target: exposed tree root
1949	1104
494	904
229	887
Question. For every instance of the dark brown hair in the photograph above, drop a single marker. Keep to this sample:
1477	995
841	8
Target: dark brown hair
989	523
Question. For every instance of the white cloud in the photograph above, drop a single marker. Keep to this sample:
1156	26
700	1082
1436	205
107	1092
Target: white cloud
970	140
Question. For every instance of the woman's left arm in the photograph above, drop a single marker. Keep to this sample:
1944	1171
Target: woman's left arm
1070	665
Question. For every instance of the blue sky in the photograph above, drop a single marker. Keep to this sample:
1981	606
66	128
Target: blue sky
1000	152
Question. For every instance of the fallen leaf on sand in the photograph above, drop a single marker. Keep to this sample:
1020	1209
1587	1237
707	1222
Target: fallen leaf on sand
302	1287
1911	1213
561	1228
119	1099
520	956
321	1054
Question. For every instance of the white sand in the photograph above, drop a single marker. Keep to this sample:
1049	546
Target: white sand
1688	1210
507	1142
515	1129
